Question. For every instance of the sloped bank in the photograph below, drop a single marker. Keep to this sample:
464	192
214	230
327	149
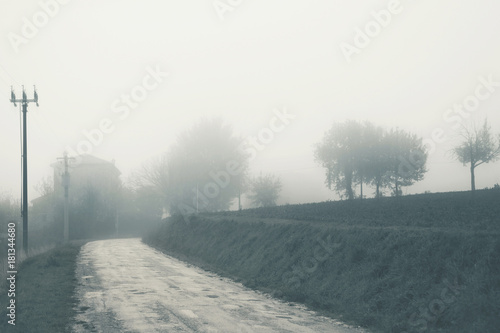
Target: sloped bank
387	279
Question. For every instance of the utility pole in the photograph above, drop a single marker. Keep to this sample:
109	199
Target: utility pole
24	103
65	184
239	197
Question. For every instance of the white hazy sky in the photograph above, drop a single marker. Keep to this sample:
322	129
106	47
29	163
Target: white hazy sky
262	55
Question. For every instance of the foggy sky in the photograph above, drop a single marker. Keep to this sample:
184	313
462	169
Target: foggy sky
243	64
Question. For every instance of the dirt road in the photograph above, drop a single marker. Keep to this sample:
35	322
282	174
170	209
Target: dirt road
126	286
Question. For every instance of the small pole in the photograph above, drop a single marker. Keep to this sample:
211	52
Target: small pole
239	197
65	183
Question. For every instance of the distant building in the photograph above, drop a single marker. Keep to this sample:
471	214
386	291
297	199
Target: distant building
86	171
94	192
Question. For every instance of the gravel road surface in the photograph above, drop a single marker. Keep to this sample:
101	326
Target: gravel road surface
127	286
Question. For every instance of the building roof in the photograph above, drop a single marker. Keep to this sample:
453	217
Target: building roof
90	159
87	160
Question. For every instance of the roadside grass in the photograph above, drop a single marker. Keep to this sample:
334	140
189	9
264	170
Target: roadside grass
389	276
45	286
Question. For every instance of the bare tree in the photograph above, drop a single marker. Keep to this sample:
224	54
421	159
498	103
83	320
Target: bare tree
478	147
45	186
153	180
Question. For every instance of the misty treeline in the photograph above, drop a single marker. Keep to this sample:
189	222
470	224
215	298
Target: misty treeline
363	153
206	170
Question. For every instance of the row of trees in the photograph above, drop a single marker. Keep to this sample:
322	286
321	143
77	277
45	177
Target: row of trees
207	168
362	153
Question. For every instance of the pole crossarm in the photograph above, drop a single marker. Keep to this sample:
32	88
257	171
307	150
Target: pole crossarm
23	100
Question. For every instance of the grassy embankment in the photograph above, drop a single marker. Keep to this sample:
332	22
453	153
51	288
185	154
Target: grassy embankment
45	286
425	263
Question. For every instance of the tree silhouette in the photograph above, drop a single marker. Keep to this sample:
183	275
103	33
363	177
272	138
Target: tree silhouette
478	147
406	158
203	171
265	190
363	153
339	154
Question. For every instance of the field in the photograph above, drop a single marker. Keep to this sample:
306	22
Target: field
437	210
423	263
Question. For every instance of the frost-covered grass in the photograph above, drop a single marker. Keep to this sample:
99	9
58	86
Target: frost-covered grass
408	275
45	285
480	211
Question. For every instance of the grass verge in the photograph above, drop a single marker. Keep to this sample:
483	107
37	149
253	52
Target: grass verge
45	286
386	279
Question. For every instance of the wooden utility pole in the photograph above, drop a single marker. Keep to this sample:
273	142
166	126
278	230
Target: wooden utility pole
24	103
239	197
65	184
